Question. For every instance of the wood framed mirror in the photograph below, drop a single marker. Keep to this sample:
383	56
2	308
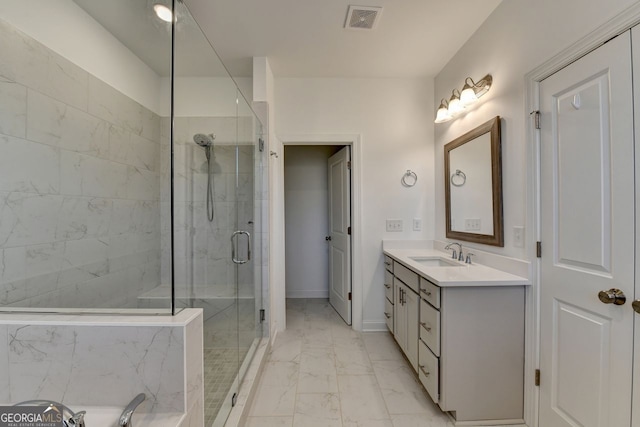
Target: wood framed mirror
473	186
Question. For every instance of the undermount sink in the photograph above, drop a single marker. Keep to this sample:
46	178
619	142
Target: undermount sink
436	262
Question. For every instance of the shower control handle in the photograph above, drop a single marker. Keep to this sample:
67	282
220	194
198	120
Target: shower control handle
233	247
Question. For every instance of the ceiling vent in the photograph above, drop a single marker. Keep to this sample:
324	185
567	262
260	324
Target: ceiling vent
362	17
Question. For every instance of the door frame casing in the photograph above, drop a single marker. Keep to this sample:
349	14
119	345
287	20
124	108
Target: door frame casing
616	26
354	141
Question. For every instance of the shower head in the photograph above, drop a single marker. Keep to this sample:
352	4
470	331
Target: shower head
203	140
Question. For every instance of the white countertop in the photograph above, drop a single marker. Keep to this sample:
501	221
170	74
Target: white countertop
454	276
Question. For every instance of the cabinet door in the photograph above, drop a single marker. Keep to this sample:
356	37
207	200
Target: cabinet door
412	307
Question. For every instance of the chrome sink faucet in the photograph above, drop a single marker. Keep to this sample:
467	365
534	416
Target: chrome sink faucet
455	255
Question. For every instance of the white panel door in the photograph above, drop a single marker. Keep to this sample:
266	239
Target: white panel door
587	233
635	42
339	226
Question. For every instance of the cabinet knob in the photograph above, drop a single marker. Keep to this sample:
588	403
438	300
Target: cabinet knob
636	305
612	296
428	293
387	315
387	286
424	371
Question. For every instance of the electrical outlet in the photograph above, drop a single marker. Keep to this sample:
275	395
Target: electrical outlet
518	236
472	224
417	224
394	225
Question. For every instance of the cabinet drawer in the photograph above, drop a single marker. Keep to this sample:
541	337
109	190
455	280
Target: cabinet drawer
430	327
388	263
428	371
388	285
388	314
430	292
407	276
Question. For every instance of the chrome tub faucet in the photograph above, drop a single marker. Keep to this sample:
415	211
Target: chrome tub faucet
125	418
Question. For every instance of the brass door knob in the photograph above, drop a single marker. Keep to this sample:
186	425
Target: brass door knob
612	296
636	305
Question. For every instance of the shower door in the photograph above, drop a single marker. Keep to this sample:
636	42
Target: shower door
217	216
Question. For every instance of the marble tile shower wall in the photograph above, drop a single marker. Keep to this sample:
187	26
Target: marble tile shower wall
203	248
79	184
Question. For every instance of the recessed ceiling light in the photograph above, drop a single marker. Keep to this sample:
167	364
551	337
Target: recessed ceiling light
163	12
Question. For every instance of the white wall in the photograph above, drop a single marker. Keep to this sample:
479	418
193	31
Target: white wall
65	28
307	220
394	119
264	100
517	37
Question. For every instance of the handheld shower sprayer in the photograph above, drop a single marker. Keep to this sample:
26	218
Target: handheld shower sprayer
206	142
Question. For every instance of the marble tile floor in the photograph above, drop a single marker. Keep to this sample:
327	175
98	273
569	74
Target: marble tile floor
322	373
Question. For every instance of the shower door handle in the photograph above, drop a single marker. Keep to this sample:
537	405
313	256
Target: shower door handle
233	247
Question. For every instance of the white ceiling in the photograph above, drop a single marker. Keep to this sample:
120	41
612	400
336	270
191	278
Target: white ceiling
307	38
301	38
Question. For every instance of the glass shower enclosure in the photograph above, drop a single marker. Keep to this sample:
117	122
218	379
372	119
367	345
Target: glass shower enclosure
131	175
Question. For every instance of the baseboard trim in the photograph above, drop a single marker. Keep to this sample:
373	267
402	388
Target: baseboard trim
307	294
374	326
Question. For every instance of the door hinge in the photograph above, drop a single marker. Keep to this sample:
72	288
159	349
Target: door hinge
349	165
234	399
537	379
262	315
539	249
349	231
536	119
260	144
349	296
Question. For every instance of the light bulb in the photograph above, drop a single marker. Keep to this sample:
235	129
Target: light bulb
163	12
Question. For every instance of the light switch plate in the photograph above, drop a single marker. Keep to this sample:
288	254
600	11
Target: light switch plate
518	236
394	225
417	224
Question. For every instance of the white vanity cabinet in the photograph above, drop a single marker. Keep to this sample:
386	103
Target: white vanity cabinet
466	343
475	344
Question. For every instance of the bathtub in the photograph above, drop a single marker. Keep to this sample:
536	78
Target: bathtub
99	363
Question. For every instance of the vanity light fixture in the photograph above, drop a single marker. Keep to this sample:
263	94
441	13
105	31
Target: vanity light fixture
163	12
459	100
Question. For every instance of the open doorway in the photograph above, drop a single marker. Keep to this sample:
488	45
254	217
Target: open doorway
318	256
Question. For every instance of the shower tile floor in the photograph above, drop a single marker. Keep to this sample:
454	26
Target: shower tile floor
220	370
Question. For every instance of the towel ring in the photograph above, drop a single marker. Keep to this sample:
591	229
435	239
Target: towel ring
412	178
461	181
